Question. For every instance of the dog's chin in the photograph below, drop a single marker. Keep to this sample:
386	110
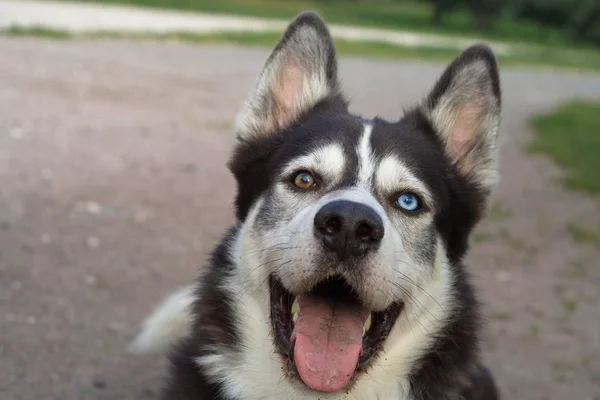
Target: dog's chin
326	336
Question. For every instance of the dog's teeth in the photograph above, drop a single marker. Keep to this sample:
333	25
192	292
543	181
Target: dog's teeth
364	331
295	307
295	317
367	325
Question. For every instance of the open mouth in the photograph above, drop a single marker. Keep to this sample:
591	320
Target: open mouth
326	335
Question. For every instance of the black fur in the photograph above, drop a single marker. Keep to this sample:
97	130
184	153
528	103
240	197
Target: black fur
214	325
451	368
448	369
253	161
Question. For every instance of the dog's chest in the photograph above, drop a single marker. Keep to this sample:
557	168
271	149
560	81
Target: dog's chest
246	385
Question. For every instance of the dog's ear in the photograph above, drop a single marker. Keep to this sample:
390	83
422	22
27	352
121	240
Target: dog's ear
300	72
464	111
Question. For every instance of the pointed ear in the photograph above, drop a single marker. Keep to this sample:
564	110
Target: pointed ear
464	110
300	72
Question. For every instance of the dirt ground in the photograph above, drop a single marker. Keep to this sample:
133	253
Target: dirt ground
113	189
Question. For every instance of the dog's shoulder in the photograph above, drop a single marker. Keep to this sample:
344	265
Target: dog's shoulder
482	386
186	380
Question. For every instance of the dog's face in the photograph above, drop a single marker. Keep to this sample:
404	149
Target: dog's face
345	222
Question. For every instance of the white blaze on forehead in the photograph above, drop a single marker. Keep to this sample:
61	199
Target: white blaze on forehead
393	175
366	164
328	160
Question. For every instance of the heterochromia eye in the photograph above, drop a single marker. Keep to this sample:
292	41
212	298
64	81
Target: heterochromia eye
304	180
408	202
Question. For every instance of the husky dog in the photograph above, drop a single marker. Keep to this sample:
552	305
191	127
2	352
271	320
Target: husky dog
342	278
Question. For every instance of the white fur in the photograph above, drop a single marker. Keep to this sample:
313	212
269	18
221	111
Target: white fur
277	238
328	161
393	273
365	157
293	238
257	372
393	176
167	325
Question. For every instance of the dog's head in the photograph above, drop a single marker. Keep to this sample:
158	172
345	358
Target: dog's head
344	220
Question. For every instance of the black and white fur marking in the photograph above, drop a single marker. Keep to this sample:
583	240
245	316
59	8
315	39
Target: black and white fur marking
222	336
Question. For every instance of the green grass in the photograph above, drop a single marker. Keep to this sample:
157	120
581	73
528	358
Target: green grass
570	135
258	39
582	234
482	236
501	316
499	211
570	305
579	60
576	269
38	31
405	15
516	243
534	331
342	46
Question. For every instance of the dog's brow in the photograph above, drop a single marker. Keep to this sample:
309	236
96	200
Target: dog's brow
393	175
328	160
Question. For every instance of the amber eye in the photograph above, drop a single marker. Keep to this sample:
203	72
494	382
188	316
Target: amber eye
304	180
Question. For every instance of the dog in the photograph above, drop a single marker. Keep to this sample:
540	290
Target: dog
343	276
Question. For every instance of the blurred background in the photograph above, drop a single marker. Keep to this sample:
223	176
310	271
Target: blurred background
116	124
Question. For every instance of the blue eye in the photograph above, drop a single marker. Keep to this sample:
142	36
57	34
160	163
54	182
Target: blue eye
408	202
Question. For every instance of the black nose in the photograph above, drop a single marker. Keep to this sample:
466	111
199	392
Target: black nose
348	228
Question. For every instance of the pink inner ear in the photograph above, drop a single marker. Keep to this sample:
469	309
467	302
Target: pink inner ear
464	131
288	92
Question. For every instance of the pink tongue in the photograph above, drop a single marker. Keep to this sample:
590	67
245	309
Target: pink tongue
328	343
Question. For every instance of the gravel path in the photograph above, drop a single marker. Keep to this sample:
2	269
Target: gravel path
113	189
81	18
